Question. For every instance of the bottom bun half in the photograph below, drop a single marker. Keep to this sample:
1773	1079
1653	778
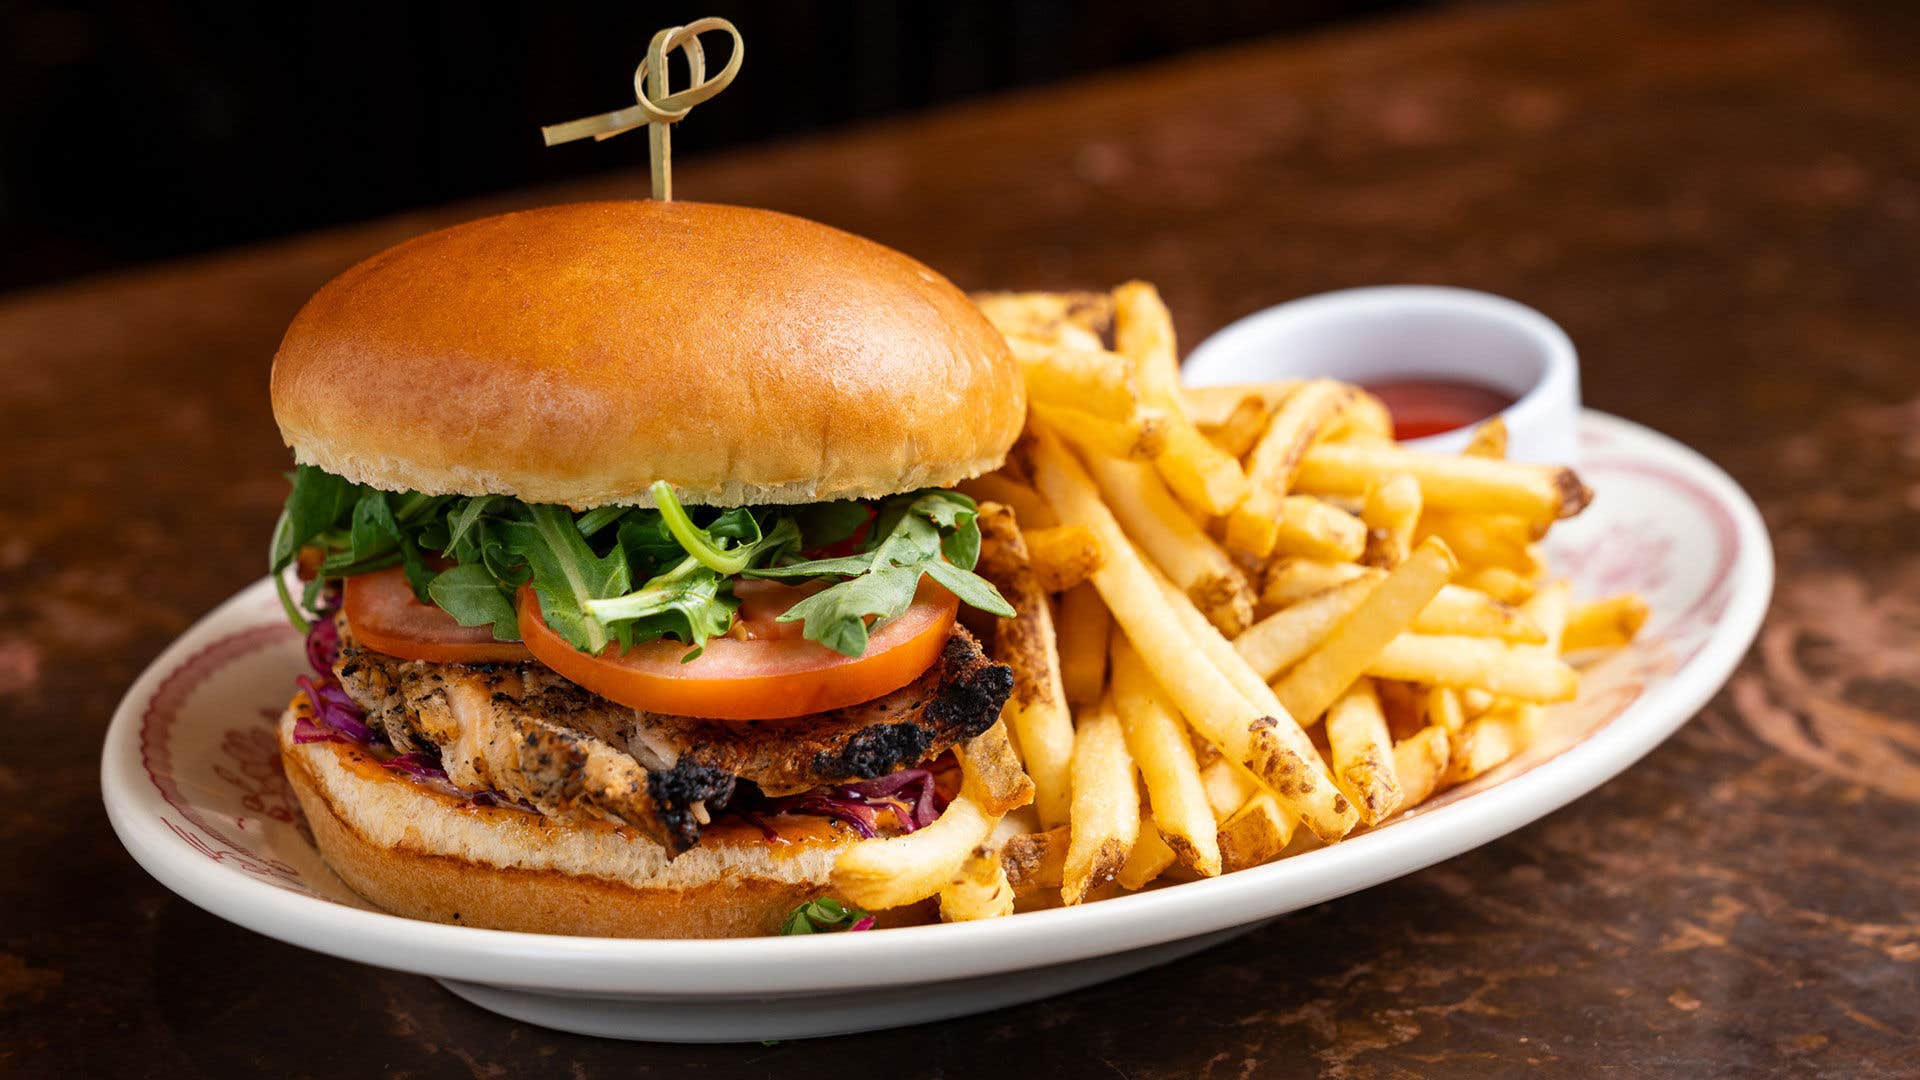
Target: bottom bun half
424	853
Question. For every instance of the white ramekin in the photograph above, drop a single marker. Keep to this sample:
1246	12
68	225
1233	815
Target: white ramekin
1414	331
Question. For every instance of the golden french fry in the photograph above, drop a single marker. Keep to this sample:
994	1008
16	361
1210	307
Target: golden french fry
1500	583
1255	833
1028	507
901	870
1550	608
1092	380
1161	748
1035	862
1140	437
1538	493
1149	858
1362	752
1083	628
1149	514
1062	556
1280	640
1489	440
1202	474
1362	419
998	782
1474	701
1228	787
1390	513
1254	523
1456	610
1215	697
1213	406
1604	624
1420	762
979	889
1309	527
1444	710
1527	672
1237	434
1037	710
1480	540
1106	804
1358	642
1047	316
1489	741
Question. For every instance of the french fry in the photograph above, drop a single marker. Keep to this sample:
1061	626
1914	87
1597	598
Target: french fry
1106	804
1444	710
1523	671
1149	858
1287	748
999	783
1237	434
1255	833
901	870
1149	514
1362	419
1228	787
1306	526
1161	748
1047	316
1500	583
1202	474
1480	540
1420	763
1213	406
1253	525
1489	741
1604	624
1082	630
1091	380
1362	753
1026	503
1474	701
1215	699
1538	493
1280	640
1390	513
1359	641
1140	437
979	889
1037	710
1062	556
1456	610
1035	862
1489	440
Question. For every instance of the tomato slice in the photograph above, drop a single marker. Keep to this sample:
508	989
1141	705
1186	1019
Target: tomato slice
386	617
758	679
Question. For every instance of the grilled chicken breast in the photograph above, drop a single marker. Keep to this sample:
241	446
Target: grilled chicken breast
521	730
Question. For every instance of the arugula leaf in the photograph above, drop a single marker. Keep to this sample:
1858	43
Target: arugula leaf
685	602
823	916
566	573
316	503
461	522
829	523
703	544
472	595
599	518
882	581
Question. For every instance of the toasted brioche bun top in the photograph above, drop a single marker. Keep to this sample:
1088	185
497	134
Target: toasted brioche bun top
575	354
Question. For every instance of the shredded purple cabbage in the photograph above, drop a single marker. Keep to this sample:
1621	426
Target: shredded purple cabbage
910	794
417	764
865	923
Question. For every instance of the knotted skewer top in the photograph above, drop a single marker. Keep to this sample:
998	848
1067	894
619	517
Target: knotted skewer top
654	106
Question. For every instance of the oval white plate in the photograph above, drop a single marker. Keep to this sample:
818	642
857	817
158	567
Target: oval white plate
192	784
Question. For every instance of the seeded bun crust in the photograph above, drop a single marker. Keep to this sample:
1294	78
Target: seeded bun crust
427	855
575	354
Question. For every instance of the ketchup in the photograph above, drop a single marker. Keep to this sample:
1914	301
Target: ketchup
1423	407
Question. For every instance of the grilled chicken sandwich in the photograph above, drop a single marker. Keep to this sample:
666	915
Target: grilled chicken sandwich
623	539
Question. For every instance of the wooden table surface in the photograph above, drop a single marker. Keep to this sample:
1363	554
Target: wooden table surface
1721	203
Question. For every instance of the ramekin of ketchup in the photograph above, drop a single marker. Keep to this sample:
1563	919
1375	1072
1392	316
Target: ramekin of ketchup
1442	359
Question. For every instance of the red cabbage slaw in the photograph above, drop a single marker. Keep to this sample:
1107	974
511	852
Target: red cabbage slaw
911	795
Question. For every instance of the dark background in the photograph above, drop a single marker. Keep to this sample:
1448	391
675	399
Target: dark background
136	131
